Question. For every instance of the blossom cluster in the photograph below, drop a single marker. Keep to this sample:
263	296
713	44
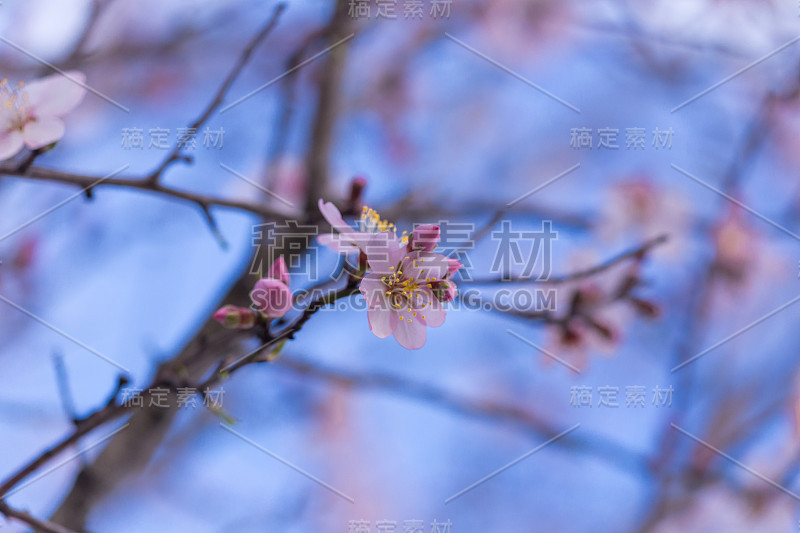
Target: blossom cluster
404	282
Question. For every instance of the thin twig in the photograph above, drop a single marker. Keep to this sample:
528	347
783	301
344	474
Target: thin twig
41	526
634	253
62	380
144	184
176	153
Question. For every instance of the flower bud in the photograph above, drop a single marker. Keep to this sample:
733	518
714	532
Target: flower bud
605	331
454	265
279	271
444	290
424	238
571	336
231	316
354	202
646	308
271	297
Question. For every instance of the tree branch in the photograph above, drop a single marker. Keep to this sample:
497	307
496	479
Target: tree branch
172	380
41	526
89	183
485	410
637	253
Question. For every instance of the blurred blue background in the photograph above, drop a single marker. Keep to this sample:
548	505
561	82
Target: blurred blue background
134	275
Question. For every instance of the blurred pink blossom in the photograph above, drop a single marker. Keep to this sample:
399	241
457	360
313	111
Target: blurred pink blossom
734	245
31	114
641	208
719	508
593	318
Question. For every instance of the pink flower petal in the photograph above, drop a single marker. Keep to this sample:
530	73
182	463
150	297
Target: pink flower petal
338	242
382	317
384	252
41	132
382	322
334	217
454	265
11	143
271	297
56	95
430	311
411	335
371	284
279	271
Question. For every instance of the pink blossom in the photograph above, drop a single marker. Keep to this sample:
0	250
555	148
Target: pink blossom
408	281
231	316
400	290
30	115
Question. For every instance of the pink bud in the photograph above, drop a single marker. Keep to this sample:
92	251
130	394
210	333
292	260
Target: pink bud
279	271
646	308
357	186
453	266
231	316
425	237
444	290
271	297
571	336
